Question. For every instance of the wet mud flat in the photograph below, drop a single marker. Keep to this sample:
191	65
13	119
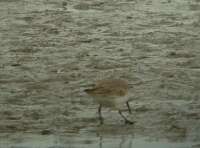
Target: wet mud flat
52	50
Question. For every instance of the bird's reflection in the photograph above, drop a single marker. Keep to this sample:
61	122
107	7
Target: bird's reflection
100	141
123	141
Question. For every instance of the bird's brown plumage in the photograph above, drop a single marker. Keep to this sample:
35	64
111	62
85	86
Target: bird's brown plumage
109	88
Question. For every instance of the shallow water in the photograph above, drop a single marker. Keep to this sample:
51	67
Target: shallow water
50	51
88	141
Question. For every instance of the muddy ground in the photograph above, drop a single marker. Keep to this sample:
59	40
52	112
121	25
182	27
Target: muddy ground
51	50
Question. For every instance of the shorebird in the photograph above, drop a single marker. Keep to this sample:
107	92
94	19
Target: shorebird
111	93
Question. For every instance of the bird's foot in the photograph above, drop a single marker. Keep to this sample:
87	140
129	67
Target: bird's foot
129	122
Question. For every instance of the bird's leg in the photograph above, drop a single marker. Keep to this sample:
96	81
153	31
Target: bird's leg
129	109
125	119
100	115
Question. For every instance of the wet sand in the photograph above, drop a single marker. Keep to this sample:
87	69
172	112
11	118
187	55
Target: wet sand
52	50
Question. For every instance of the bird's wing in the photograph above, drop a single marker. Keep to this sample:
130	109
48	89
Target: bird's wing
102	91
